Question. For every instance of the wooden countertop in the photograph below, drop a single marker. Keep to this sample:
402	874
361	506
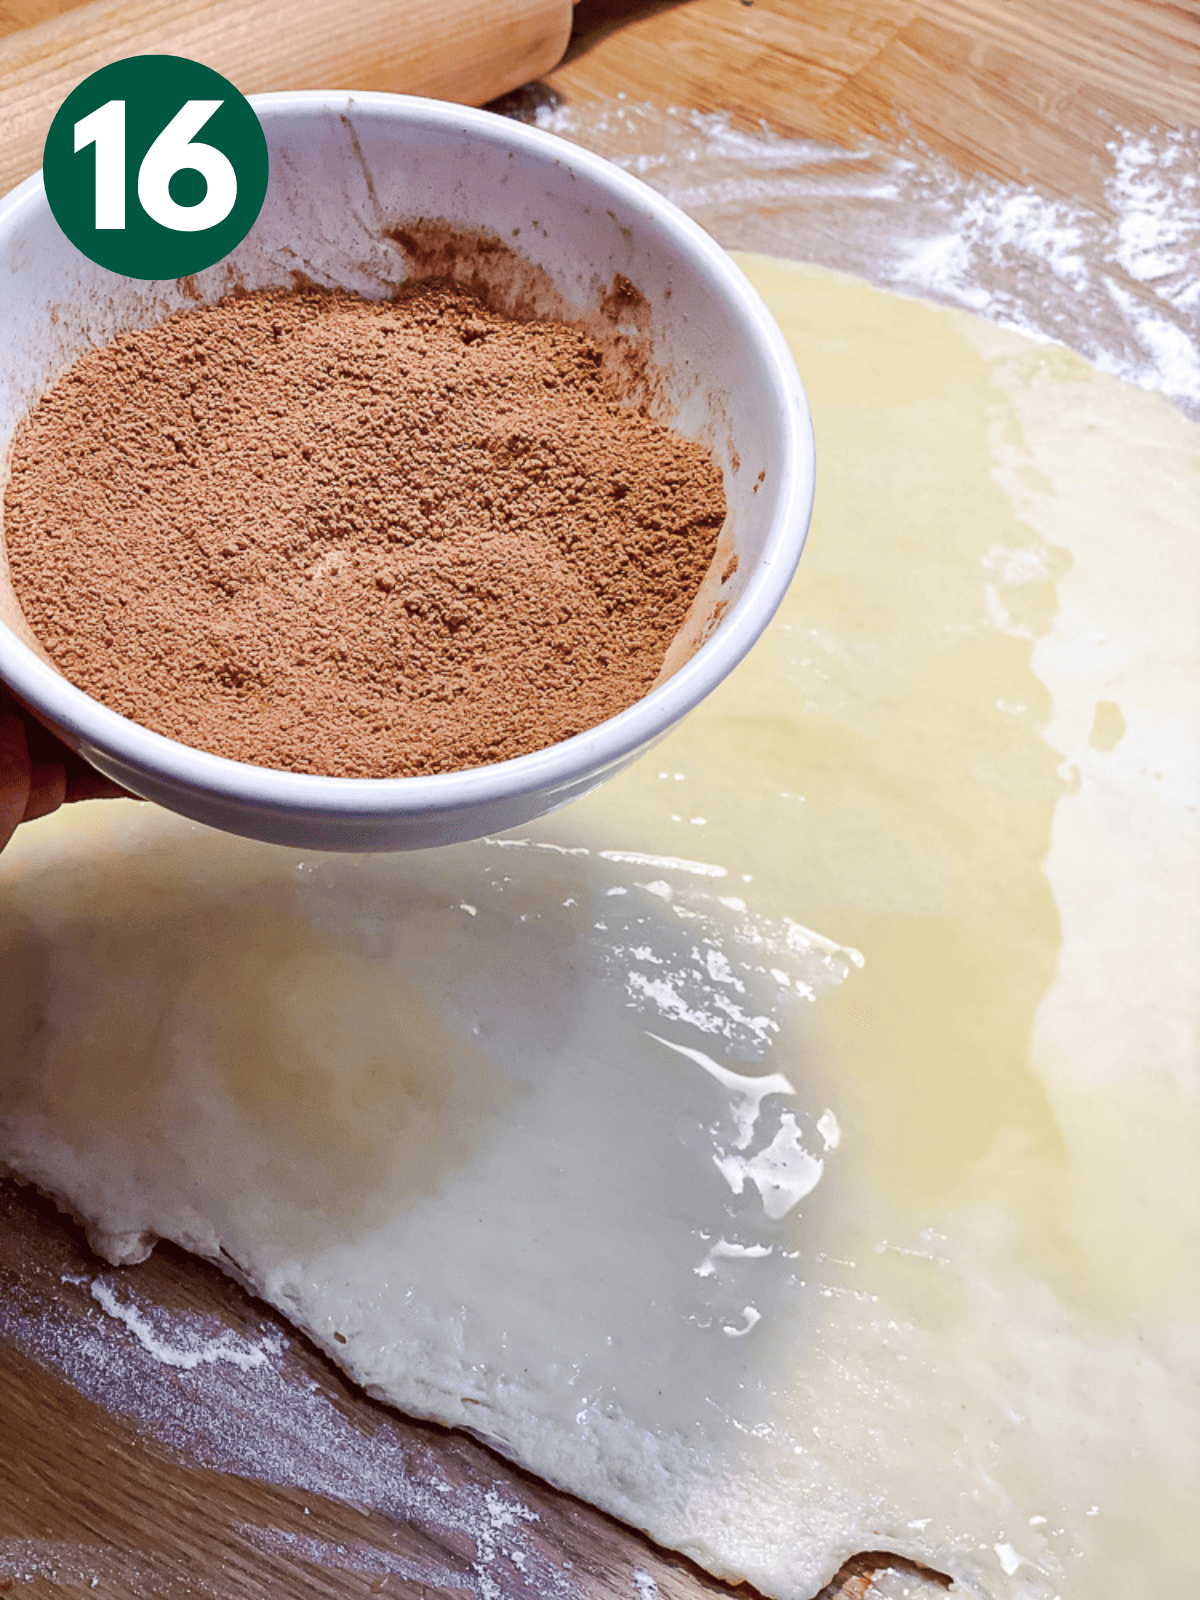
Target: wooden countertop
1026	90
1020	89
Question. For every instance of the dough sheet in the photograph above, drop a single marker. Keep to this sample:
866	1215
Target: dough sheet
791	1147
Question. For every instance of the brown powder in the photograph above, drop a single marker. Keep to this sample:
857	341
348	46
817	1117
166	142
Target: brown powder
359	538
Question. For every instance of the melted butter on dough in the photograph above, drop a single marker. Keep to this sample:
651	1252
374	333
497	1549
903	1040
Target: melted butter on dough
290	1066
780	1244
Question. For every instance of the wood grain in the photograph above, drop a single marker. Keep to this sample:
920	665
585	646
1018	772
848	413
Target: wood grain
92	1478
468	50
1020	89
86	1481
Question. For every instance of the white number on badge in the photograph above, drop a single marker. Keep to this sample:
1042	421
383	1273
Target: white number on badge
175	150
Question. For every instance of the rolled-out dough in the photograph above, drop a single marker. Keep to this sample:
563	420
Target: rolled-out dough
791	1147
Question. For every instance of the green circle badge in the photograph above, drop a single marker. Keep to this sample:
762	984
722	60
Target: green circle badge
155	167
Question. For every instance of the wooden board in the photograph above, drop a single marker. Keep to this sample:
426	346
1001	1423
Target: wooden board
1017	88
1020	89
1024	90
89	1490
79	1474
274	44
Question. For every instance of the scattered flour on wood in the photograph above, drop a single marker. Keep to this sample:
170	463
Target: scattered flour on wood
1119	282
211	1397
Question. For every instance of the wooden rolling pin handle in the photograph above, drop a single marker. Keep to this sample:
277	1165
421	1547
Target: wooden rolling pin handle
466	50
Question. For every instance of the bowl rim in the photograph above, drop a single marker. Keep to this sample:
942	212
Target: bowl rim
558	766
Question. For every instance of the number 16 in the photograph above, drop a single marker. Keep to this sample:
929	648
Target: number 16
172	152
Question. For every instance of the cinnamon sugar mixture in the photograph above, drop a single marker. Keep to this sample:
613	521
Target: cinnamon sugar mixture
359	538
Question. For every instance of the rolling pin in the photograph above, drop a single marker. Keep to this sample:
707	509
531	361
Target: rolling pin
466	50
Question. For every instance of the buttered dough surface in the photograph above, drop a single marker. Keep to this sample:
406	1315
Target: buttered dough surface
791	1147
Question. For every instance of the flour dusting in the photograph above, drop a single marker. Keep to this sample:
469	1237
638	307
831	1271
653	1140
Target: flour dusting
1120	284
195	1351
644	1583
26	1561
235	1403
358	1558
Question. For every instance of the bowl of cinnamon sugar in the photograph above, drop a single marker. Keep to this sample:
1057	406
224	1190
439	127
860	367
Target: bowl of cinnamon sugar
473	470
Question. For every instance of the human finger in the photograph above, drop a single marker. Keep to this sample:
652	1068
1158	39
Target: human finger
47	789
16	769
85	783
79	780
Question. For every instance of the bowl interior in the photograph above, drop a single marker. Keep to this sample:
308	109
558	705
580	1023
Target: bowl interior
346	188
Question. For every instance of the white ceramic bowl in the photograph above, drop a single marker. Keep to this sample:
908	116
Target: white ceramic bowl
345	168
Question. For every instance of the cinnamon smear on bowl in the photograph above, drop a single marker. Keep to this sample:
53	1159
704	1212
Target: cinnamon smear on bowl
367	539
